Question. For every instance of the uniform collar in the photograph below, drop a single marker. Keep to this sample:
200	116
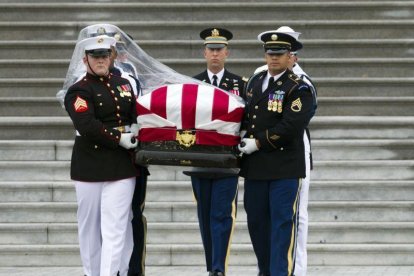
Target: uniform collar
219	75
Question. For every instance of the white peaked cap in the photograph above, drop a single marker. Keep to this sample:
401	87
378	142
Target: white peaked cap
284	29
98	42
288	30
102	29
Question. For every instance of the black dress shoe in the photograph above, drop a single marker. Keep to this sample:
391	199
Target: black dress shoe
216	273
262	274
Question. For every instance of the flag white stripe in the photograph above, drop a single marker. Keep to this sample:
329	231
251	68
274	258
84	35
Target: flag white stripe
174	100
204	108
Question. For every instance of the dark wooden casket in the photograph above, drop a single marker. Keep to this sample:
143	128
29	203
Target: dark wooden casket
189	125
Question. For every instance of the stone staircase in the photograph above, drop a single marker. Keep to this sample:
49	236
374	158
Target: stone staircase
360	55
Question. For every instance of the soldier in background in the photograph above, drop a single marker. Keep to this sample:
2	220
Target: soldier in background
215	189
278	107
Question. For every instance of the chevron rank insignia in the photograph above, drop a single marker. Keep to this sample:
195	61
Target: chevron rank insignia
296	105
80	105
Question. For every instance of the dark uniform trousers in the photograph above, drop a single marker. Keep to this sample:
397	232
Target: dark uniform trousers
277	118
272	199
216	210
216	195
139	225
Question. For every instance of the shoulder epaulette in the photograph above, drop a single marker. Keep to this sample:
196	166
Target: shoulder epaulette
294	78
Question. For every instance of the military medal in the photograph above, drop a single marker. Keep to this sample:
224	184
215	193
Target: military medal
279	105
270	102
275	105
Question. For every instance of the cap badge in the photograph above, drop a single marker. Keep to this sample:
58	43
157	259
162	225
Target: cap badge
100	40
273	37
215	32
101	31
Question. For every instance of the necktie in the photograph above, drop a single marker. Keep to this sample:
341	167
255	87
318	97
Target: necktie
271	80
214	80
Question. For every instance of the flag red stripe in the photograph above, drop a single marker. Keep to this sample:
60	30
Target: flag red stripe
208	138
159	101
157	134
235	116
188	106
220	104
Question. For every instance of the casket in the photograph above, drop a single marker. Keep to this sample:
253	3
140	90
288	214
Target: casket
189	125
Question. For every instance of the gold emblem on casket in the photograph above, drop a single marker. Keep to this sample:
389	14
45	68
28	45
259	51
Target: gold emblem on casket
185	138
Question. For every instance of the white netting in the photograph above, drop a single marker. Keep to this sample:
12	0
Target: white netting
131	58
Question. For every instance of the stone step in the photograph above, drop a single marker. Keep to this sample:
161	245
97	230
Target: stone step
357	68
323	170
322	127
351	67
30	87
242	254
365	87
353	149
239	270
169	1
41	150
162	49
323	150
365	106
323	211
181	191
327	106
170	30
197	11
188	233
361	127
31	106
327	87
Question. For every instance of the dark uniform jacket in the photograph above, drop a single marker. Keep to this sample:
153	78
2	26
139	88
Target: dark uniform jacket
233	84
279	130
96	106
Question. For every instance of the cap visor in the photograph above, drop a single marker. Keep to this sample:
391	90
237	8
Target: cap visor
99	53
276	51
215	45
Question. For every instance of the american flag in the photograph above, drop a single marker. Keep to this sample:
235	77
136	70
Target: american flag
214	114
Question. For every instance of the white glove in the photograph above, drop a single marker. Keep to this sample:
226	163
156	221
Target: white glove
134	129
126	142
249	145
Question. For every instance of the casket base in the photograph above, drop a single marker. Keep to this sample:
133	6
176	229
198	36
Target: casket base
173	154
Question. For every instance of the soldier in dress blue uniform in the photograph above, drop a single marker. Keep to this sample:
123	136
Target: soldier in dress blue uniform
215	189
102	108
301	256
279	106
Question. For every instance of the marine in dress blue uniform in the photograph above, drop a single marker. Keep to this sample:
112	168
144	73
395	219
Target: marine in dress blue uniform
273	160
215	189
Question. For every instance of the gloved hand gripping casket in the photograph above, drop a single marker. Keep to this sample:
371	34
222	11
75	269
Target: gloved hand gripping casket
189	125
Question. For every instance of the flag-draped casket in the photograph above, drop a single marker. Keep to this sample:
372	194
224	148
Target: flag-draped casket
189	125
